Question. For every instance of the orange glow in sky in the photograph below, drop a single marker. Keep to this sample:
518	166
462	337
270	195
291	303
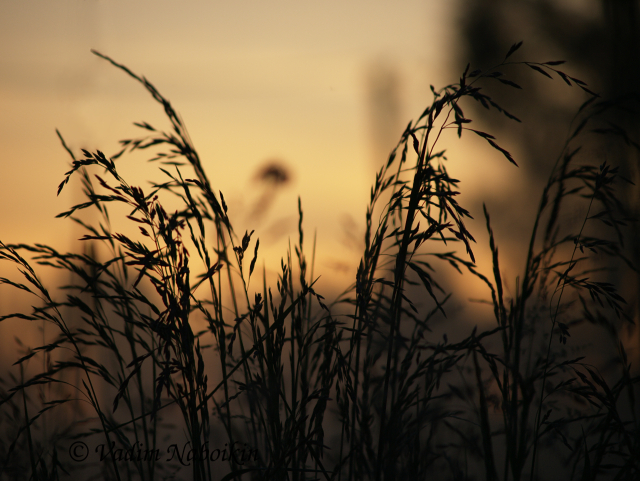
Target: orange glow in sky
254	81
322	88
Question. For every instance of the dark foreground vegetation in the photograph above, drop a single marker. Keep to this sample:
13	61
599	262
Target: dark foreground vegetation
282	384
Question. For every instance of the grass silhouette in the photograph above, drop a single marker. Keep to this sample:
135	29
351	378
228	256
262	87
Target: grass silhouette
302	388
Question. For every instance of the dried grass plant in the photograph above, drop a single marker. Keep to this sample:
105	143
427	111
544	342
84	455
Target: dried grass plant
354	389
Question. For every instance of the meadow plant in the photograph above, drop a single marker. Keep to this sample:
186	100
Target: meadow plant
297	387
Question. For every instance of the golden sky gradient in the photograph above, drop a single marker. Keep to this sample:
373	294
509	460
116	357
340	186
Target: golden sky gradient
254	81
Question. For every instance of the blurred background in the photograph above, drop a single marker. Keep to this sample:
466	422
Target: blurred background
286	98
320	91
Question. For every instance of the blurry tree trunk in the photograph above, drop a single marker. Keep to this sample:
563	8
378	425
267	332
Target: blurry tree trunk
603	49
623	81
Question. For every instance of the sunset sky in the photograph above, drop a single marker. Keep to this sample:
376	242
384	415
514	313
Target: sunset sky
255	81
